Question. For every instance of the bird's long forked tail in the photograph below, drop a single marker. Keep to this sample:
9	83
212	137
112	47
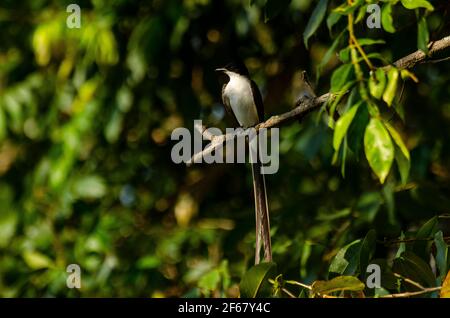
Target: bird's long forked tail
261	213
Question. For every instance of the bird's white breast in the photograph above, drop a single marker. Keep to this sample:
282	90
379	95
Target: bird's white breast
239	93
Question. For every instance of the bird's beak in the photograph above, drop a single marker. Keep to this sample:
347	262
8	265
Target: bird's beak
219	70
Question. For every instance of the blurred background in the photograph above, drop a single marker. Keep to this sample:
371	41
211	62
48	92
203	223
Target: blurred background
86	175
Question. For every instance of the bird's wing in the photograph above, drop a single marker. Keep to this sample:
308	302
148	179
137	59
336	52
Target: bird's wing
258	100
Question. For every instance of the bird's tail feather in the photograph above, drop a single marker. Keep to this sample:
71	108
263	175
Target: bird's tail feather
262	214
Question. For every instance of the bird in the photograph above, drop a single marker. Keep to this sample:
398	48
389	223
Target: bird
243	102
303	89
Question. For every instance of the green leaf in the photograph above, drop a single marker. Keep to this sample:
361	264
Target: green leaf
427	231
255	281
386	18
328	55
391	88
377	83
332	19
423	35
210	281
414	4
36	260
89	187
405	74
274	7
388	194
344	55
403	164
388	280
346	9
402	156
315	20
340	77
441	254
8	223
367	250
356	131
344	157
346	261
378	148
361	14
114	127
369	41
411	266
401	246
398	140
342	126
339	283
148	262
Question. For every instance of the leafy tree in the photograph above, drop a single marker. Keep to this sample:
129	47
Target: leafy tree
86	116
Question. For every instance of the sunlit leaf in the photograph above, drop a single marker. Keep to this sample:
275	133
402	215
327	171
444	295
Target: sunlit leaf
36	260
445	290
329	54
346	8
403	164
377	83
346	261
386	18
8	223
332	19
340	77
89	187
398	140
369	41
342	125
210	281
339	283
3	127
378	148
414	4
391	87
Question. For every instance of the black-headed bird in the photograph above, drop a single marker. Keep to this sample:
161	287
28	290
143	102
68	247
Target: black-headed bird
242	100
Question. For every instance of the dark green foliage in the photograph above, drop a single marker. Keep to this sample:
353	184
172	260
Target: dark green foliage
86	175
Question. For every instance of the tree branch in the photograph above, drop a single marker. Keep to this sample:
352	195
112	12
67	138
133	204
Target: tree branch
306	105
217	141
409	294
419	56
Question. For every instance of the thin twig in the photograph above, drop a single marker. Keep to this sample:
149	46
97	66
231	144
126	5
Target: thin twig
409	294
411	60
410	281
293	282
288	292
411	240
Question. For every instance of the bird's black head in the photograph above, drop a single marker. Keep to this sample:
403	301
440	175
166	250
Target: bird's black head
236	67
